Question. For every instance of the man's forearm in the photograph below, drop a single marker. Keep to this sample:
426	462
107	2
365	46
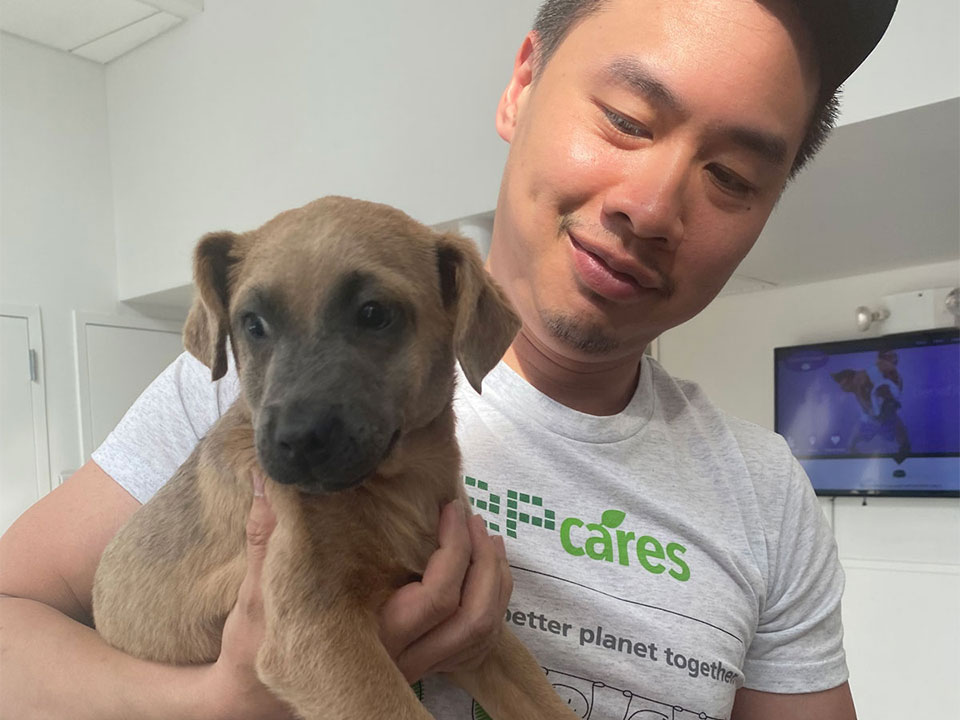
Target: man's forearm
54	667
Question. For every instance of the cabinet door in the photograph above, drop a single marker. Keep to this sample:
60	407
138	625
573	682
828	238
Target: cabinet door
118	357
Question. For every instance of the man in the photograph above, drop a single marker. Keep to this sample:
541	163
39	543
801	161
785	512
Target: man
668	560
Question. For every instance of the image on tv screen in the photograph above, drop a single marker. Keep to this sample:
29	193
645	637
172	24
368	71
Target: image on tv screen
880	415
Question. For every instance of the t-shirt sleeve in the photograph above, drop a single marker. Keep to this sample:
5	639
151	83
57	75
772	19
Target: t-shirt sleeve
798	646
164	425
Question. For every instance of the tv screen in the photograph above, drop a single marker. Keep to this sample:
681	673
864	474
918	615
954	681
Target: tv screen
874	416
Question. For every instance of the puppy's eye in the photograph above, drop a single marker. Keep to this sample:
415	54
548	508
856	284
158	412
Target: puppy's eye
374	316
254	326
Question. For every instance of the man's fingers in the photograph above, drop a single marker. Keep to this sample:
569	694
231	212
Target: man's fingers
489	583
506	578
416	608
469	634
448	564
481	588
260	524
484	631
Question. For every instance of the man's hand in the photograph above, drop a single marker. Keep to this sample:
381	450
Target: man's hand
453	617
234	675
449	620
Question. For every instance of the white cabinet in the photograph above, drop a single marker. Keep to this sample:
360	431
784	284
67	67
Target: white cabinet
117	357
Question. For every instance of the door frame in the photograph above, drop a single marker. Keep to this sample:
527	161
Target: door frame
38	389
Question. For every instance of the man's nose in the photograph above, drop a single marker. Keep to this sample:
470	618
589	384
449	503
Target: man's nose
648	198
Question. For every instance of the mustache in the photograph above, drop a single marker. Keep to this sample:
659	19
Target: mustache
568	222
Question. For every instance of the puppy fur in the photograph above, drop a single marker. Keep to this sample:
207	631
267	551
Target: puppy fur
350	316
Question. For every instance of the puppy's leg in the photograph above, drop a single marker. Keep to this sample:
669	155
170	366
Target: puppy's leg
510	685
321	652
335	670
333	667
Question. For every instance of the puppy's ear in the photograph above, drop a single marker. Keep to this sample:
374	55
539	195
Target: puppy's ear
845	379
208	325
484	321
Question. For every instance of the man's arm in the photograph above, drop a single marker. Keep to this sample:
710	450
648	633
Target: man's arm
54	664
834	704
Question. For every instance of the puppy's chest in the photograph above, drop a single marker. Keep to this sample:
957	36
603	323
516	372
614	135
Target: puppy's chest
351	545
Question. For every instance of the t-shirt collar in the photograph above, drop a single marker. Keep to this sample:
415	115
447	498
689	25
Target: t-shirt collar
516	398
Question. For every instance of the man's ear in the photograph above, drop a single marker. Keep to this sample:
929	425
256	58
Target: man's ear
208	324
508	109
484	321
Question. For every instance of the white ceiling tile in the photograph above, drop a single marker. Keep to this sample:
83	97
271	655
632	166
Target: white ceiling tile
180	8
117	43
66	24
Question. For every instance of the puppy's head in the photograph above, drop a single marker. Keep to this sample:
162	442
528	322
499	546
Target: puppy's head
344	318
857	382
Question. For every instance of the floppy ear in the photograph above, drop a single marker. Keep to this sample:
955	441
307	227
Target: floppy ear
844	379
484	321
208	325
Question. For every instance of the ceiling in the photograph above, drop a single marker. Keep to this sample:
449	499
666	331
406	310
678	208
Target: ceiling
99	31
882	194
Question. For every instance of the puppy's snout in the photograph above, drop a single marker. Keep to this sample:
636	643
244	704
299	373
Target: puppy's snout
304	437
322	447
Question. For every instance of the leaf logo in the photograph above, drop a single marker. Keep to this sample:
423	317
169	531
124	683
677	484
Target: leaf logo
613	518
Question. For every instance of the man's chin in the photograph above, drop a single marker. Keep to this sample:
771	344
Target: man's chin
580	335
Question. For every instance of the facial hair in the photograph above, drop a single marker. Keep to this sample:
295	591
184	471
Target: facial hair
586	337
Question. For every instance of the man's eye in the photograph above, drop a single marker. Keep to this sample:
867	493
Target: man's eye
729	181
255	326
374	316
626	126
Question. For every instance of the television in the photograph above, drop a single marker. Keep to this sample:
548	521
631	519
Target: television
874	416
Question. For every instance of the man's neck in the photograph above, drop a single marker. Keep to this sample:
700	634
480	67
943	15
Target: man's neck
595	388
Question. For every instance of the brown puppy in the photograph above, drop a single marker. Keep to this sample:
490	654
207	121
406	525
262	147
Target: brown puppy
345	319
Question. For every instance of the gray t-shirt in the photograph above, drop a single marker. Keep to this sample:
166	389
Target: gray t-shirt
662	557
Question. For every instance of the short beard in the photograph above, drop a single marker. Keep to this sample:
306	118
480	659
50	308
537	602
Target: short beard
587	338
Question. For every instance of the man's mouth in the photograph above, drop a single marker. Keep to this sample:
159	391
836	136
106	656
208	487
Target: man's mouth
613	277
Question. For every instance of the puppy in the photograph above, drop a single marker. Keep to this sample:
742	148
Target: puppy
345	319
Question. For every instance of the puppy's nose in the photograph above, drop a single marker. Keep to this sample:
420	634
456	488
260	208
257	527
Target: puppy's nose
304	436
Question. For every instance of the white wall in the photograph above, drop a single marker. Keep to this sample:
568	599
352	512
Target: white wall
901	555
916	63
254	107
728	348
56	224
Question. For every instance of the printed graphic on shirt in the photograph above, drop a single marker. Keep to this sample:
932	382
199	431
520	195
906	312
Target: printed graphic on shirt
585	696
605	540
595	700
521	507
646	653
478	713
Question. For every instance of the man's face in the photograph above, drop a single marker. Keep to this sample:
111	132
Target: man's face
644	162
